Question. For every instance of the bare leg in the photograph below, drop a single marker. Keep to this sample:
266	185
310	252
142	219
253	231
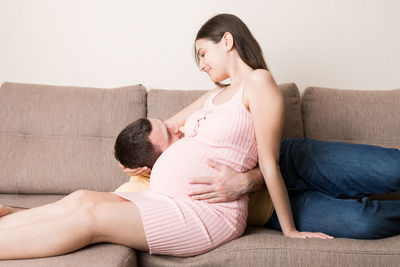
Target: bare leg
116	221
53	210
45	238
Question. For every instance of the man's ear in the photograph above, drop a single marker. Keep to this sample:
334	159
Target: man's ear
228	41
176	128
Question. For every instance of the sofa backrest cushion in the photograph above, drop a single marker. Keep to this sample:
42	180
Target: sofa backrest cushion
162	104
354	116
57	139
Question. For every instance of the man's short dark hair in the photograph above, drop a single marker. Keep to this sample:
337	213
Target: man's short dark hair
132	147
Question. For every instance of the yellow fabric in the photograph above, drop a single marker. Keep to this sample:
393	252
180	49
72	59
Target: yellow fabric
260	204
260	208
135	184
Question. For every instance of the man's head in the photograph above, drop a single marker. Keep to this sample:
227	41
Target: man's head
142	142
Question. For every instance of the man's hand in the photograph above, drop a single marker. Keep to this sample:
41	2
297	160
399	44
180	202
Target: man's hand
136	171
228	185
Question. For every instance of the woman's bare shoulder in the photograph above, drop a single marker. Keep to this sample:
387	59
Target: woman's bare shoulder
260	76
258	80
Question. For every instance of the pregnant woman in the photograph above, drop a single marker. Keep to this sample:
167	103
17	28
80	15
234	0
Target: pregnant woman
238	125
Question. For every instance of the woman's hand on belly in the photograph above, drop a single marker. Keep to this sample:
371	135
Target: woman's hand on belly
228	185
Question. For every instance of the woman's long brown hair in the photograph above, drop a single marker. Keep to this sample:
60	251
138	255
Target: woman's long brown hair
247	46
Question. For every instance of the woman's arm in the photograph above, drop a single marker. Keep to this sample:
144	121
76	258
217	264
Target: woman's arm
264	97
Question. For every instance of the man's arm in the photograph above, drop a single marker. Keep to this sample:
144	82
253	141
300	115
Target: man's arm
255	180
180	117
228	185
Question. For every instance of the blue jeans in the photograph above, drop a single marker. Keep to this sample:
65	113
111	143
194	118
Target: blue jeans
319	174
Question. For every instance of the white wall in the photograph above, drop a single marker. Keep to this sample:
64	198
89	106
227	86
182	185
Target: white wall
349	44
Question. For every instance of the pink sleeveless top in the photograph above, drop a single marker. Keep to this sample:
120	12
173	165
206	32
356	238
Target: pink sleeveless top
176	224
227	128
224	133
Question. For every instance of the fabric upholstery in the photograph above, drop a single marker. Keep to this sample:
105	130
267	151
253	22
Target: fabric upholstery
98	255
264	247
353	116
57	139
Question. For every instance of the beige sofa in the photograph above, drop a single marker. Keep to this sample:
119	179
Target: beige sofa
57	139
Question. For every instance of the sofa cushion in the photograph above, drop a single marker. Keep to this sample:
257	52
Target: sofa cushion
57	139
293	126
99	255
264	247
162	104
354	116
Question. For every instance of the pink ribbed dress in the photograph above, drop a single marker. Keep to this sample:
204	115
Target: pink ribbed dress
173	223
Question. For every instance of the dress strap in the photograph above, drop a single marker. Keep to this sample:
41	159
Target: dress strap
239	93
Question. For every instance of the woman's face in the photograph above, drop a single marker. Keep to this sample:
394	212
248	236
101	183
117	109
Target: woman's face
212	59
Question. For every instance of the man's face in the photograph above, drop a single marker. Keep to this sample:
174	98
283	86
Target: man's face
163	135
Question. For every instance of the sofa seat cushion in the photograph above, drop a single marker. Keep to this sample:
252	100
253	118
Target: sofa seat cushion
101	254
57	139
264	247
353	116
175	100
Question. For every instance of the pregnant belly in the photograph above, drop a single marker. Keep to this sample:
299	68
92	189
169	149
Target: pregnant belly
175	167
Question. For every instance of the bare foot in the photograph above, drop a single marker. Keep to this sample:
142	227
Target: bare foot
5	210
